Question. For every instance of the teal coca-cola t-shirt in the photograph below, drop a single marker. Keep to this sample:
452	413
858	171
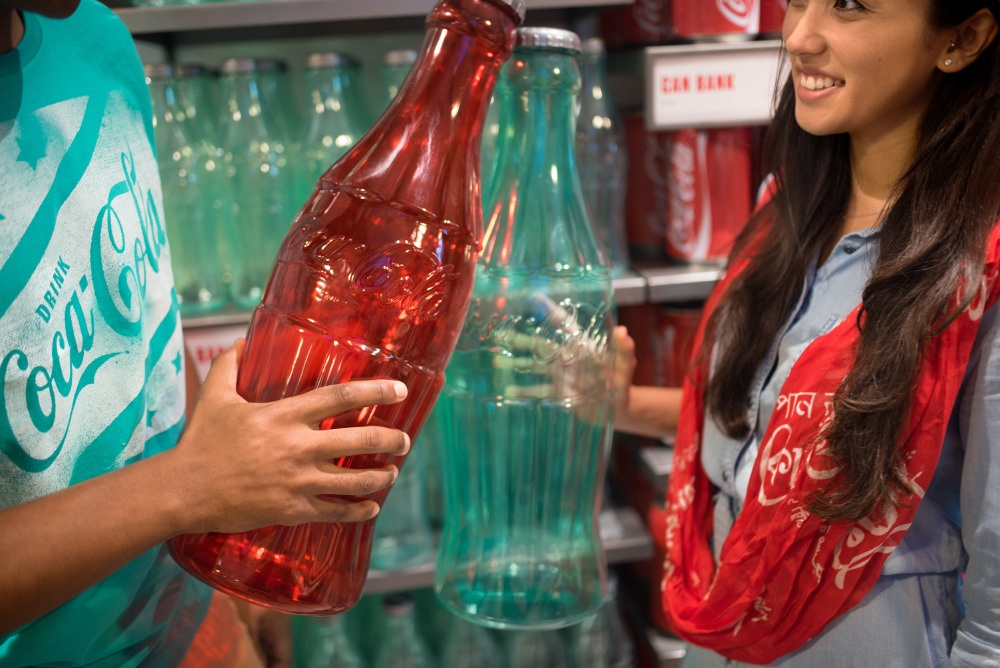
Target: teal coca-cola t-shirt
91	356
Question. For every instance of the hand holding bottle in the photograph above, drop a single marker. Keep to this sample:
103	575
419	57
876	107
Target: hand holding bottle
247	465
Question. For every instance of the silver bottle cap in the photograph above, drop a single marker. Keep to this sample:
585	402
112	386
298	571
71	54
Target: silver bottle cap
186	70
548	38
399	57
328	60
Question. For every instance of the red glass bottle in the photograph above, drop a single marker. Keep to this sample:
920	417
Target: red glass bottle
373	280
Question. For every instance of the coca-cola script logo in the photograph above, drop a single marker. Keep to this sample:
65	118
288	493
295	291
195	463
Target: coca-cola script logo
740	13
681	227
650	16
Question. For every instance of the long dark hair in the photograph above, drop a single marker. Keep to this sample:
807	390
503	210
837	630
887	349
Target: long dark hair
931	243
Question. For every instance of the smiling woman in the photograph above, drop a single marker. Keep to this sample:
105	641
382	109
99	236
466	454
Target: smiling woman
837	460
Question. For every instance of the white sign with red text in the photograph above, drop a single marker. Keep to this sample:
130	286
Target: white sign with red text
205	343
710	85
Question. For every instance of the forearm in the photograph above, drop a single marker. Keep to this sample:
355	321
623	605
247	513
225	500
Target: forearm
59	545
650	411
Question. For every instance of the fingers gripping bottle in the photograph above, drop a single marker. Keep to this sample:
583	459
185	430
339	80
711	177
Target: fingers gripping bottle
527	409
372	280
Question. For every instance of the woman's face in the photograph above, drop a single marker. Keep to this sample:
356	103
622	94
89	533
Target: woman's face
864	69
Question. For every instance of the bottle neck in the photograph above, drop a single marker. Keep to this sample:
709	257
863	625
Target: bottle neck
423	153
594	98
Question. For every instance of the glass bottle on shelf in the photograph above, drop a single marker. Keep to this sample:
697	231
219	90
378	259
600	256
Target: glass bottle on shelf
260	168
402	646
527	409
403	535
537	649
470	645
601	640
335	649
196	93
196	198
373	280
601	157
491	130
335	119
396	65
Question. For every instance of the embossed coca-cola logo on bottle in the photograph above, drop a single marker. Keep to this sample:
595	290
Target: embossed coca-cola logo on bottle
397	275
740	13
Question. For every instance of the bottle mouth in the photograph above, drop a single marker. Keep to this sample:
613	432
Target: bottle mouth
547	38
329	60
399	57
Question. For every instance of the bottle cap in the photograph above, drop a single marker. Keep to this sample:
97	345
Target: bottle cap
592	46
548	38
238	66
398	605
328	60
155	71
271	65
399	57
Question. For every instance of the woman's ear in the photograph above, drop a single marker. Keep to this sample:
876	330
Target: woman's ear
970	40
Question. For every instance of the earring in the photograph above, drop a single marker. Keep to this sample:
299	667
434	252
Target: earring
948	63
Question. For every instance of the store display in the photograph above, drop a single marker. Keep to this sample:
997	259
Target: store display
638	23
601	640
772	15
335	649
528	406
537	649
335	117
646	192
402	646
262	174
196	198
373	280
715	20
470	646
403	534
396	65
600	155
708	192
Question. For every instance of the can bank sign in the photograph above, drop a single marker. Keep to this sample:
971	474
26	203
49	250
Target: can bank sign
710	85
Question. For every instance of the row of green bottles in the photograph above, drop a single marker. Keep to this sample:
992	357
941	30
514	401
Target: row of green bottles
411	630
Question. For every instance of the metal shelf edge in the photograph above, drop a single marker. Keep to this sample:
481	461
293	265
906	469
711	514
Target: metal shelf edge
234	15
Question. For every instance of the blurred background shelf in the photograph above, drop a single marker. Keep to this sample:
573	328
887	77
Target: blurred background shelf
656	284
271	19
622	530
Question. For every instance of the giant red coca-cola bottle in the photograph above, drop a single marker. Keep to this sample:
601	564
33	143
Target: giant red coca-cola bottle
373	280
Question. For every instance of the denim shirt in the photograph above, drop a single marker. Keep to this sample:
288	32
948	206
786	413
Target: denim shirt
920	613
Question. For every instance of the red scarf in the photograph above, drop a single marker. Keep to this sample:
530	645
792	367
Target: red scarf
784	573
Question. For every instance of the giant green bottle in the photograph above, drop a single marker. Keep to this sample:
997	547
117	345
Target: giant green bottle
527	408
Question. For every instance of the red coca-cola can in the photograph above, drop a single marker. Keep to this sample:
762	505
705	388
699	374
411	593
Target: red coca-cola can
642	22
643	324
709	193
646	193
772	15
677	328
715	20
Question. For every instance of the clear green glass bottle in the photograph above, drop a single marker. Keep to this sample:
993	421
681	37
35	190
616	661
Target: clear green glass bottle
402	646
335	118
600	150
334	647
196	198
260	167
527	408
396	65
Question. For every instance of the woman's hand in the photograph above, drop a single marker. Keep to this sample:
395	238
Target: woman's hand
242	465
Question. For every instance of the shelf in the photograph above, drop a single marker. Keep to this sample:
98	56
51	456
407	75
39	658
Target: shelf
267	18
624	535
679	283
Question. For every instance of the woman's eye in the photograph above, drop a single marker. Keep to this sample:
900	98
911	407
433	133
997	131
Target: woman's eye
849	6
